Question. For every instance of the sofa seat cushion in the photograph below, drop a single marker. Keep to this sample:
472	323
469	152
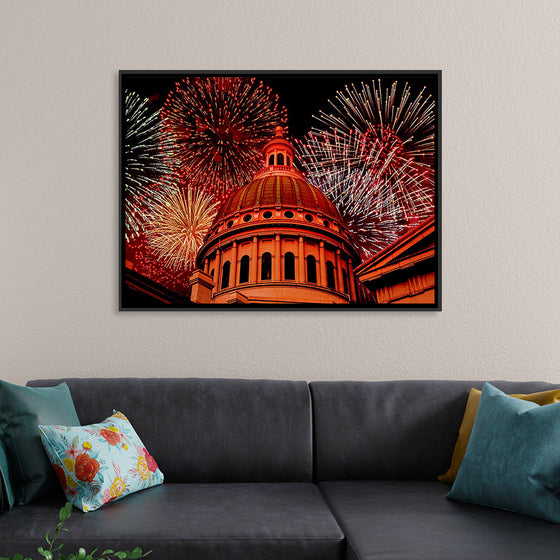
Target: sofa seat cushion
412	520
192	521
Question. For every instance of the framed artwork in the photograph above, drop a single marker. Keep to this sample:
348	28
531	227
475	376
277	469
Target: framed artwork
277	190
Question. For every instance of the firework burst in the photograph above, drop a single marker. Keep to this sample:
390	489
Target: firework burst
178	225
146	173
218	127
348	173
401	125
374	157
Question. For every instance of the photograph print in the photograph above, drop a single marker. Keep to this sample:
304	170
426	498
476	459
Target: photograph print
280	189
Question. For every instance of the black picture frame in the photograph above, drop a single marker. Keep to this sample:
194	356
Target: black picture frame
411	262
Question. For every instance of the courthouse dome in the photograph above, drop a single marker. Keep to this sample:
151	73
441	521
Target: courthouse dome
279	185
278	239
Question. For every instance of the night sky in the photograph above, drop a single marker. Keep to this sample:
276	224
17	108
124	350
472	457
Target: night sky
303	94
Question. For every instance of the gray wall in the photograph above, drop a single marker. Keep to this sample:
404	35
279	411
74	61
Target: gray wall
500	189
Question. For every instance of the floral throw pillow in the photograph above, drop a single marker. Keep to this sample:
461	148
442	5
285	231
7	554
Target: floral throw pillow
99	463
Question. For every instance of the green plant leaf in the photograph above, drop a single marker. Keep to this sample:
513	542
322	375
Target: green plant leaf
65	512
121	555
58	547
46	554
18	557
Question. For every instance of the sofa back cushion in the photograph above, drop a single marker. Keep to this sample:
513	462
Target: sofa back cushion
400	430
208	430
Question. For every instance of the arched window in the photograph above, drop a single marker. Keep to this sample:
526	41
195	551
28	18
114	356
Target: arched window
311	269
289	267
225	274
280	159
345	280
330	275
212	273
287	160
266	266
271	159
244	269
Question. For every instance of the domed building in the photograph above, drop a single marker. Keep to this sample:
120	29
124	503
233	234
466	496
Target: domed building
276	240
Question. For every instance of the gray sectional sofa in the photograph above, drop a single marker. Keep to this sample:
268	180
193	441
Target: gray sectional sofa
261	469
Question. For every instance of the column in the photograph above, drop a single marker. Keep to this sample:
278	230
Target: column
351	281
206	264
301	261
277	261
254	260
218	273
233	270
322	265
339	280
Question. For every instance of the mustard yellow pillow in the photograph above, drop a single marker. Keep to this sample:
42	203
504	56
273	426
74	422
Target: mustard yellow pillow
541	398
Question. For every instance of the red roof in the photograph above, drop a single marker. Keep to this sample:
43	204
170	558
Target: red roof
278	190
415	246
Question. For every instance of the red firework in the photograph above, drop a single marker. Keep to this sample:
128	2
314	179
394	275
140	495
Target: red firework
218	127
389	135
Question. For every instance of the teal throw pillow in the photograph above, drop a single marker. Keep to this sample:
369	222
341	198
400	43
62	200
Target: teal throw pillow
6	489
513	457
21	410
99	463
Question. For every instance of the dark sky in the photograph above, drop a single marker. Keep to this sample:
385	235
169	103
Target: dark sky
303	94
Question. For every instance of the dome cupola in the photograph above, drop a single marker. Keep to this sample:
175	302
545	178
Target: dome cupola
278	151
